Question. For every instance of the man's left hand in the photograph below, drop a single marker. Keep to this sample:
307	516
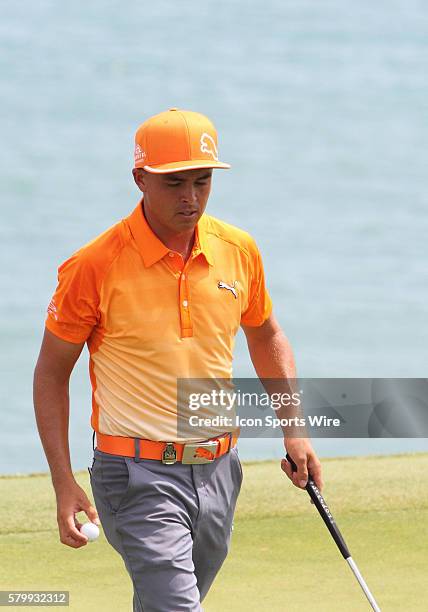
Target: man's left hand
303	455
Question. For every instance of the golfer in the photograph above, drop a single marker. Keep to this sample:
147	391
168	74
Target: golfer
158	297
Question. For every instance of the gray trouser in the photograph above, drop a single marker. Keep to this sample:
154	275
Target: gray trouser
170	523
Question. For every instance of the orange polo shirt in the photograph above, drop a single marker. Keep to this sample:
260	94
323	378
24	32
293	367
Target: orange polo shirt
149	318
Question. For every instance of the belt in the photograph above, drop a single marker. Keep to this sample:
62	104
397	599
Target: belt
205	451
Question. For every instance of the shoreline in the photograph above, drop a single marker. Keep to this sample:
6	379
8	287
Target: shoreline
246	462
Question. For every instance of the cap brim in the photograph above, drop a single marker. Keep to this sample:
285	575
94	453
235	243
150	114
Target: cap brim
191	164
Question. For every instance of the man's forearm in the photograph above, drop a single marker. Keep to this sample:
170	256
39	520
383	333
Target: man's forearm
51	406
274	363
273	357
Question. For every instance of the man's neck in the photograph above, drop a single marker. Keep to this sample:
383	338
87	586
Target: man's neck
181	244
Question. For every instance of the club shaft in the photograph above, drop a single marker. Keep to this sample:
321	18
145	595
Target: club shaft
363	584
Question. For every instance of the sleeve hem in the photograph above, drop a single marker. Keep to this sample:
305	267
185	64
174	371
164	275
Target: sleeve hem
258	323
58	330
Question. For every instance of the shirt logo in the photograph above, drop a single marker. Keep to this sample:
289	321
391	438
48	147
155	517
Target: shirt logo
231	288
52	309
208	146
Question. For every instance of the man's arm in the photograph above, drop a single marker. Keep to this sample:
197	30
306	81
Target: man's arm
272	357
51	405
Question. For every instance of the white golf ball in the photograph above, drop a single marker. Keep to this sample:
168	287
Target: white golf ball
90	530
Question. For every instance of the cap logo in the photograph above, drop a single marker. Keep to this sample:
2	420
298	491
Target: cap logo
208	146
139	153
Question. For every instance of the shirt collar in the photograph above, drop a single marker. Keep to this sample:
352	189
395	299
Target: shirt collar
152	249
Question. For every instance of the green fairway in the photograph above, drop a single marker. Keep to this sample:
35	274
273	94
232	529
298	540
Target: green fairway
282	557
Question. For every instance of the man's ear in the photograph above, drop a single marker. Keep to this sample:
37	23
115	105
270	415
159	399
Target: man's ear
139	178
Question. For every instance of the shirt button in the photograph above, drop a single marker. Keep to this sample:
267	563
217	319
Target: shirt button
183	276
185	303
171	254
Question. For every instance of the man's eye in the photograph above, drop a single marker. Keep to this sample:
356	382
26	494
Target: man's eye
199	183
175	184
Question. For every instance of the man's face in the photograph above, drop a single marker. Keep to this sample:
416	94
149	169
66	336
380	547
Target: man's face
174	202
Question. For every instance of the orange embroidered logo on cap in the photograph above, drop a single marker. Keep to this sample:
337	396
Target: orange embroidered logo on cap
177	140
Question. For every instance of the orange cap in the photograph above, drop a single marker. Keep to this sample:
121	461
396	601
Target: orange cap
176	140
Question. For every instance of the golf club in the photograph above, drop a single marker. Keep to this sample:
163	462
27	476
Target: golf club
328	519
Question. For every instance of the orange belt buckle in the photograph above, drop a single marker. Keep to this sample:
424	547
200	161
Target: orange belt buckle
200	452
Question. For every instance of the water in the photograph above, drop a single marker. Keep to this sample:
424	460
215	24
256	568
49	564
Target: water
321	109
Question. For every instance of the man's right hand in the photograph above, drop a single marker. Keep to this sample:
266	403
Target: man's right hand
51	404
72	499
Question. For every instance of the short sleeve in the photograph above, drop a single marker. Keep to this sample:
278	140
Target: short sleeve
73	309
259	301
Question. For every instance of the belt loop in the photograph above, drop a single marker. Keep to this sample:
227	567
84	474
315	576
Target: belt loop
93	441
230	441
137	457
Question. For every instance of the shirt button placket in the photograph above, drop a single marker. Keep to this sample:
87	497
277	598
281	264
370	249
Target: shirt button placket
186	322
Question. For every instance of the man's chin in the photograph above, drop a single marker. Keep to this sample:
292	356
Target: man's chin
187	221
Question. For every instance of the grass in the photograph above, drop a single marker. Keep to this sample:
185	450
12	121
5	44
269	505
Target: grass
282	556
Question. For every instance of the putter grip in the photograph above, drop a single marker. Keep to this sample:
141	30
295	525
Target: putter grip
324	511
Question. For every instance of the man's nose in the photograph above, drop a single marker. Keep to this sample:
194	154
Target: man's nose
188	193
